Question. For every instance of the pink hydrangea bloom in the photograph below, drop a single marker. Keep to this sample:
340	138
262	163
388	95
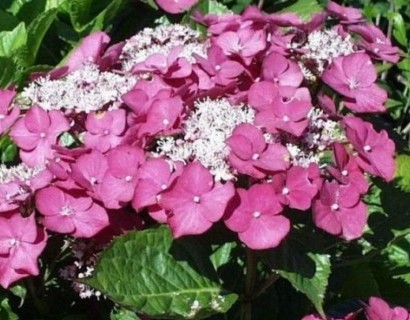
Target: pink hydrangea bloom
255	216
347	170
105	129
72	212
376	43
118	185
251	155
219	67
294	188
378	309
11	196
90	50
88	171
21	243
155	177
195	201
35	133
375	150
170	66
339	211
162	117
262	95
7	116
347	14
354	76
278	69
244	43
176	6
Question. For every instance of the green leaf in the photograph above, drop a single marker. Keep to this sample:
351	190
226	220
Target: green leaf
123	314
53	4
212	7
37	30
399	29
79	11
8	69
403	172
7	21
304	8
6	313
307	272
19	291
104	18
313	287
148	272
9	153
10	41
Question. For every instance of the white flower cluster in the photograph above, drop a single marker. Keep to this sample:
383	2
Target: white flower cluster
85	90
161	40
324	46
321	131
205	132
20	172
320	134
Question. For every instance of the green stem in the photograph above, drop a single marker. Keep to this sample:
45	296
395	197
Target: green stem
266	284
40	305
249	284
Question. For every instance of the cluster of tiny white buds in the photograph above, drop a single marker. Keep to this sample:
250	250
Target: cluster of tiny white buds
299	157
162	39
20	172
85	90
205	132
83	267
324	46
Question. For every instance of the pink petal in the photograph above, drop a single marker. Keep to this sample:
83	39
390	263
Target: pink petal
265	232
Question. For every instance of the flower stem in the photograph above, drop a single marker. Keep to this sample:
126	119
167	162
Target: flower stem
249	284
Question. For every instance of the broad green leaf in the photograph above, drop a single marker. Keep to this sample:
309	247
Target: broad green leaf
37	30
8	69
212	7
399	29
10	41
123	314
6	313
403	172
7	21
148	272
313	287
53	4
307	272
79	11
304	8
104	18
16	5
389	215
222	254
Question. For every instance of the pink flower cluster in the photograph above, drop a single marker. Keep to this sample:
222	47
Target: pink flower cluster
375	309
236	130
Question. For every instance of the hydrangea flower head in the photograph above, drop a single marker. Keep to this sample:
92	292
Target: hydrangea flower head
354	77
255	216
339	211
21	243
195	201
36	132
70	212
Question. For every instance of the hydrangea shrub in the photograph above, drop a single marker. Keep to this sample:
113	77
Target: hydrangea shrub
177	153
